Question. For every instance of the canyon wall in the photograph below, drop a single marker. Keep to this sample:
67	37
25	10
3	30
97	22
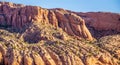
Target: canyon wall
102	20
17	16
45	44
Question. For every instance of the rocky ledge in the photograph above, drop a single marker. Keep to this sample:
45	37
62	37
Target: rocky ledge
31	35
18	16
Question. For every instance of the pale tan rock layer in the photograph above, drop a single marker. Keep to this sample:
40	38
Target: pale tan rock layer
18	15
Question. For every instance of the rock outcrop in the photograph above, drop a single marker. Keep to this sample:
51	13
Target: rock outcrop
50	49
17	16
102	20
101	23
60	43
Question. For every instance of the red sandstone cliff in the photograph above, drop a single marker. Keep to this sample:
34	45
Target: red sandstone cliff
102	20
18	15
102	23
45	44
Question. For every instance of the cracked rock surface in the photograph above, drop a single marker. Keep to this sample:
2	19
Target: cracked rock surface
31	35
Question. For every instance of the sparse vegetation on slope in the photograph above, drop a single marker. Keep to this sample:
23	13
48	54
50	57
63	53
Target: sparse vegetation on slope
55	47
38	36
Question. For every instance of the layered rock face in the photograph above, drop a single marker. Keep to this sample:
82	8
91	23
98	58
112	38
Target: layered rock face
102	20
102	23
18	15
55	47
60	43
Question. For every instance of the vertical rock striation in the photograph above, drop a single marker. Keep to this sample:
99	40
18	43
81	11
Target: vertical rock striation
17	16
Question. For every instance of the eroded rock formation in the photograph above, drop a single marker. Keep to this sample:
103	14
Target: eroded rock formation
44	44
102	23
102	20
18	15
51	49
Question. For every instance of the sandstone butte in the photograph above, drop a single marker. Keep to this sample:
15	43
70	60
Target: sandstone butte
31	35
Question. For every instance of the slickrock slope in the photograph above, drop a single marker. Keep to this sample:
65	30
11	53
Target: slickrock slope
31	35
